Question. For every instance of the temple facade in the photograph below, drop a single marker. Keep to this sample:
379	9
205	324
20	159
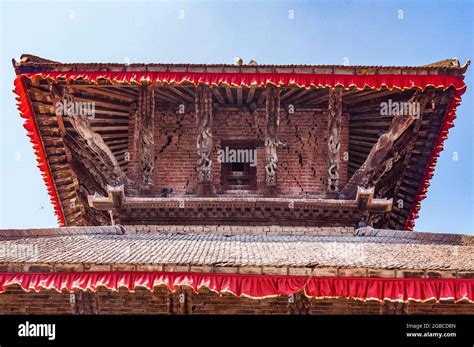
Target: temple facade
184	188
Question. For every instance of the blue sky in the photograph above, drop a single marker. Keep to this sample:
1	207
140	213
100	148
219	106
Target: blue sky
321	32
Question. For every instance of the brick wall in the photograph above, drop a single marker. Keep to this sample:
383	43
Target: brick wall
302	167
175	151
185	301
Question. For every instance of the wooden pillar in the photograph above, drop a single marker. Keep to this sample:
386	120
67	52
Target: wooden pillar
204	143
84	302
271	135
334	139
144	139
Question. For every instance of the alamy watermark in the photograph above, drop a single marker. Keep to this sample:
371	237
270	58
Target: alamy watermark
231	155
28	329
67	106
400	108
23	251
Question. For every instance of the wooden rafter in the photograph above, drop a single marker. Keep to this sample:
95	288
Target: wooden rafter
251	94
228	92
218	95
239	96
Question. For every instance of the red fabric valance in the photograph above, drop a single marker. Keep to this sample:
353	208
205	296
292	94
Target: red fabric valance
254	286
260	79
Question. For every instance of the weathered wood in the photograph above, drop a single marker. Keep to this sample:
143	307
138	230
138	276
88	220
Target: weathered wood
228	92
271	135
183	95
144	141
334	138
239	96
218	95
366	174
203	109
251	94
82	126
288	93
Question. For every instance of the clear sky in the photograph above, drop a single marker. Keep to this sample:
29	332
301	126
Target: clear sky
320	32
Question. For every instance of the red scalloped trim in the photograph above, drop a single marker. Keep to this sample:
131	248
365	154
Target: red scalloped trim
258	79
253	286
443	135
23	104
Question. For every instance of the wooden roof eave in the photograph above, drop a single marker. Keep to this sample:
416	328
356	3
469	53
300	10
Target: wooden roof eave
29	63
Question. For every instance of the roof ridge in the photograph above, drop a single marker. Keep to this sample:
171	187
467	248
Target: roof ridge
451	64
456	239
6	234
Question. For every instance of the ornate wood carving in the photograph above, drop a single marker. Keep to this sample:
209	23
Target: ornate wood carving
85	302
366	175
271	135
82	125
83	159
144	137
299	304
91	177
204	106
407	147
95	142
334	138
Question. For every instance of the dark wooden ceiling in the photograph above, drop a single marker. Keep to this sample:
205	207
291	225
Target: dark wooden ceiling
111	121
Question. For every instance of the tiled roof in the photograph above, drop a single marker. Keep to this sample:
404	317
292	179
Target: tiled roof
28	60
354	251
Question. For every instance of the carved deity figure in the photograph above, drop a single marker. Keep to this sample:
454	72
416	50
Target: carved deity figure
271	138
334	139
204	137
144	136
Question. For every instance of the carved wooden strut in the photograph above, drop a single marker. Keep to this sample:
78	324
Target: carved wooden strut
144	141
271	138
334	138
82	125
87	154
366	175
204	106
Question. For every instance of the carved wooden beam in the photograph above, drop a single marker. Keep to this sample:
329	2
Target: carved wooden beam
409	144
204	145
84	164
114	199
144	140
271	135
366	175
110	203
367	203
334	138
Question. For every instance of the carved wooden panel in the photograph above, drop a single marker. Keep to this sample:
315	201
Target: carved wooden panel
204	106
144	141
334	138
271	135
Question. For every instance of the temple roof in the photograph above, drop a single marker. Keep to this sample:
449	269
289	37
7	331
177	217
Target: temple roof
29	61
294	251
114	87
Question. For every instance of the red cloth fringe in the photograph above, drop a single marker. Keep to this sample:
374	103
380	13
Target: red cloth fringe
254	286
256	79
26	112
